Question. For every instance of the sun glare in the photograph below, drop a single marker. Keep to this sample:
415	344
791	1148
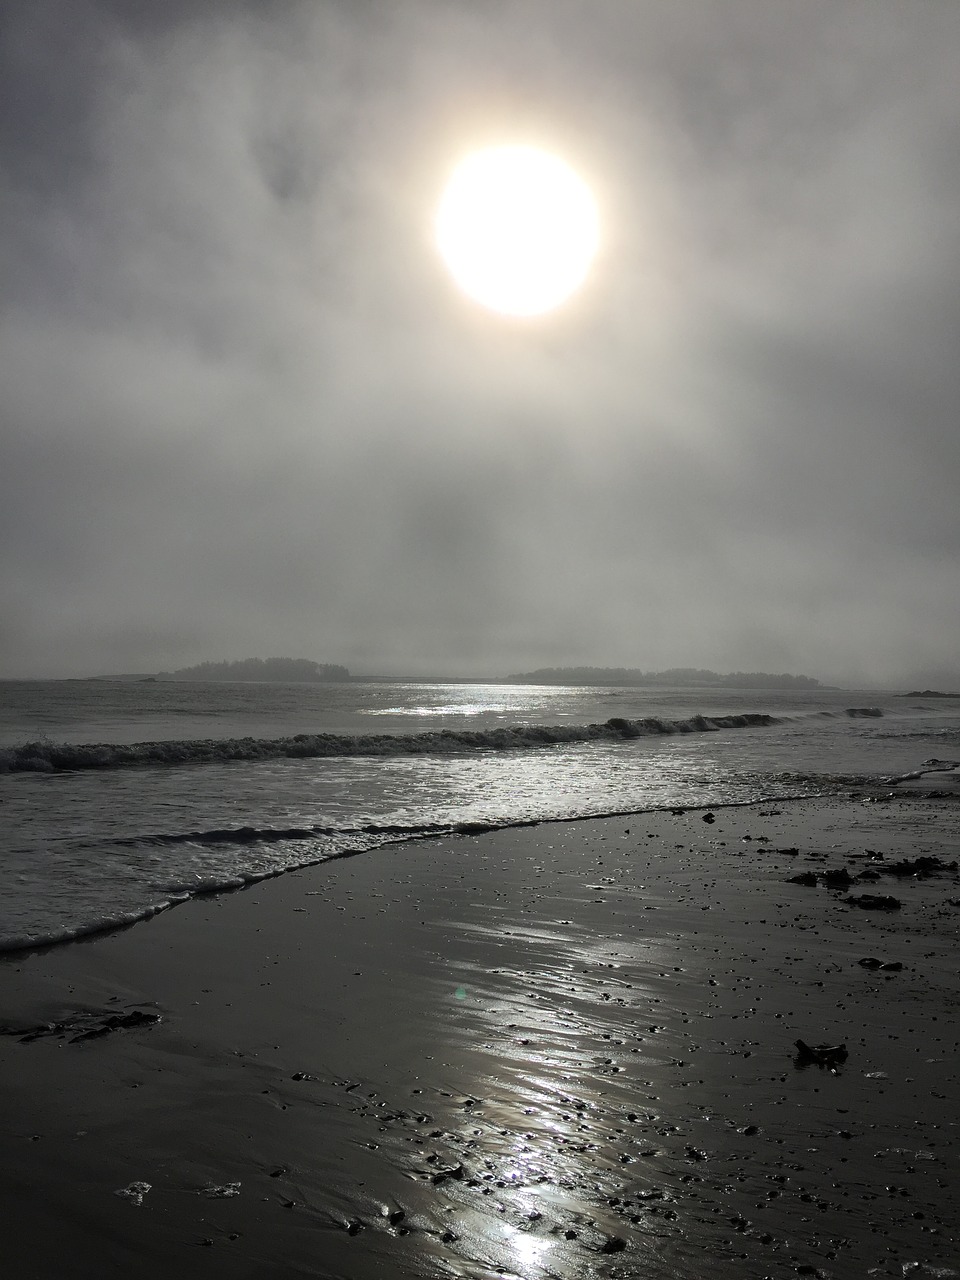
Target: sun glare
517	228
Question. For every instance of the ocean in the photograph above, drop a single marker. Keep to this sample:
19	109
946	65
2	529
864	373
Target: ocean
121	798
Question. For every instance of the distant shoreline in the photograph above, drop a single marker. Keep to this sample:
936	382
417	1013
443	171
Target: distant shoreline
672	678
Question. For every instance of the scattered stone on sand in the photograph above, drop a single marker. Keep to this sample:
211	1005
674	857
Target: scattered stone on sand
709	817
833	877
872	962
220	1191
921	867
134	1192
824	1055
873	902
615	1244
117	1022
837	878
84	1026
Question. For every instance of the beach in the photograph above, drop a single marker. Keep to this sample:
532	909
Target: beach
479	678
561	1049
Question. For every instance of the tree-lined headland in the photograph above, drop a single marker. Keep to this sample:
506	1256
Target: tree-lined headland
672	678
255	669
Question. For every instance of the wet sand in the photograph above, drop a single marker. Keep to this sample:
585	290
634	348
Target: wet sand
565	1050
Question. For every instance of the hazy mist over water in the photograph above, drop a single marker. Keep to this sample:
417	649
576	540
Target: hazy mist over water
246	412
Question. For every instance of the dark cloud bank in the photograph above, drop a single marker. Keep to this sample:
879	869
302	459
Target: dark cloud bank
245	412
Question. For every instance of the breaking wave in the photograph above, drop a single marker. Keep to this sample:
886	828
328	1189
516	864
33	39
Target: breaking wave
49	757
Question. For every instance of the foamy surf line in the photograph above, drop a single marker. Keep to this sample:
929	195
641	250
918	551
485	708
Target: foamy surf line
48	757
347	845
346	842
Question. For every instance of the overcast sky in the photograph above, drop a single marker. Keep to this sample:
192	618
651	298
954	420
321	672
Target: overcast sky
245	411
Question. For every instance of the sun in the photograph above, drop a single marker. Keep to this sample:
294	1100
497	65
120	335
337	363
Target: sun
518	229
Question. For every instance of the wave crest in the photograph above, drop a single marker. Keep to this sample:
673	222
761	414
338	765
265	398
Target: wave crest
48	757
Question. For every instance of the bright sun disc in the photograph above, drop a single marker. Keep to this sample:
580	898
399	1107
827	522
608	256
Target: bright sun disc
517	228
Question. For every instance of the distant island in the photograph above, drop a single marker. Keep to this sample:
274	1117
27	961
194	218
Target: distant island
675	676
927	693
300	670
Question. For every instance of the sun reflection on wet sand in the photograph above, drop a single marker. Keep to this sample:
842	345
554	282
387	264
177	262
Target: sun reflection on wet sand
605	1084
531	1252
555	1150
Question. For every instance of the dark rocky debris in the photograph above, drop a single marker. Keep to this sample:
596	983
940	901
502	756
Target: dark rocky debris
823	1055
84	1026
873	902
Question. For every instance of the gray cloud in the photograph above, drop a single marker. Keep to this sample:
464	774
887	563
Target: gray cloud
245	411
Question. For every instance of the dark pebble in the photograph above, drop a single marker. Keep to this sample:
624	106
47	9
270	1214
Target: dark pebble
614	1245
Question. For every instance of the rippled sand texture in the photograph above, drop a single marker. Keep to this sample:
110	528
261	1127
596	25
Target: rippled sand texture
565	1050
